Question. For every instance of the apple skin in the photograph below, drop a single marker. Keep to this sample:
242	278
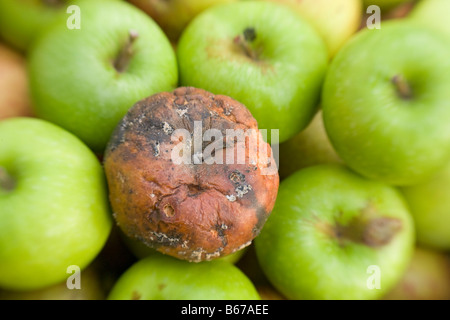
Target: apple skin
385	5
15	97
281	87
57	215
433	14
336	21
74	82
427	277
308	148
174	15
22	21
161	277
429	204
376	131
304	260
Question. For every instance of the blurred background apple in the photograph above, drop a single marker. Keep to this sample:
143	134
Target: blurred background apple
14	94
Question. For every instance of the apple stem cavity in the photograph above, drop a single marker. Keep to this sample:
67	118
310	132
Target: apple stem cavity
245	40
404	90
125	55
6	181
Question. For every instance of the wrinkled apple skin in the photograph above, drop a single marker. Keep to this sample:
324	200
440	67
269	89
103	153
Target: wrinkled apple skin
57	214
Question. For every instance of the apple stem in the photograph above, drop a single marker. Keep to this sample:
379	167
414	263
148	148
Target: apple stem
6	181
244	40
123	59
403	88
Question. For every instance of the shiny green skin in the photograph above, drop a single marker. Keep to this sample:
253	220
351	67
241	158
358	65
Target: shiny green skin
433	14
160	277
72	78
429	203
374	130
282	87
304	262
58	213
21	21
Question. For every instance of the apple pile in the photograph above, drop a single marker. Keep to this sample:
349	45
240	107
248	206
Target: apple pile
94	207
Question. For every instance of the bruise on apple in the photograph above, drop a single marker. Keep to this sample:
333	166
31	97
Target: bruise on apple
193	210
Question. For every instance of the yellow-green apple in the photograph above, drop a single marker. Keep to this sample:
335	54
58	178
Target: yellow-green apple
54	208
434	15
310	147
336	20
161	277
385	5
14	94
86	79
174	15
263	55
385	103
427	277
334	235
429	203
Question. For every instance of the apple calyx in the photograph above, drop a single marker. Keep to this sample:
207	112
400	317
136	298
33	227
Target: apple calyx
125	55
245	40
6	181
366	228
402	86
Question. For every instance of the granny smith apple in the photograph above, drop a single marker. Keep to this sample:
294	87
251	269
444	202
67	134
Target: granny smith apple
174	15
335	235
336	21
22	21
385	103
429	203
15	97
310	147
433	14
260	53
427	277
54	208
161	277
86	79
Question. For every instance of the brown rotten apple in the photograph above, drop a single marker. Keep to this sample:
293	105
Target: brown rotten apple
190	175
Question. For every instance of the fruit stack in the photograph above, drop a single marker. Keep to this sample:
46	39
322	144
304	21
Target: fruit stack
224	149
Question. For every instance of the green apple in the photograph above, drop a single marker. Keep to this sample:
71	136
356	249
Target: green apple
385	5
86	79
336	21
260	53
433	14
429	203
427	277
161	277
385	103
90	289
310	147
54	205
174	15
335	235
15	96
21	21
